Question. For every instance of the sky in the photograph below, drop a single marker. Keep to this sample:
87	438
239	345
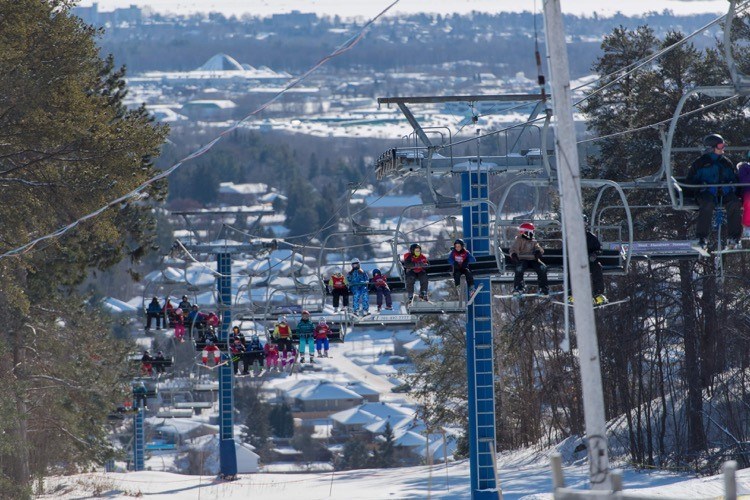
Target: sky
368	8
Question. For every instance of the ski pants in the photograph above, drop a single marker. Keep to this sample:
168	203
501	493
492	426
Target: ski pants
380	292
217	354
340	293
179	331
285	344
733	214
272	361
141	401
236	362
411	277
597	279
322	343
306	343
157	316
458	271
360	298
523	265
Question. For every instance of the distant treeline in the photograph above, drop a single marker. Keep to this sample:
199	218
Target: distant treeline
502	43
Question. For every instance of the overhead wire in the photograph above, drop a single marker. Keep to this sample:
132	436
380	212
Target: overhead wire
139	191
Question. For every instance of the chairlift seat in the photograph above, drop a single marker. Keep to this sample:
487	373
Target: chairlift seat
335	335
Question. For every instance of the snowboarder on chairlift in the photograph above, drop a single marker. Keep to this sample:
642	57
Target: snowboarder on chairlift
415	263
255	351
379	282
237	334
140	395
339	287
525	253
237	350
306	333
594	249
358	283
321	338
459	259
713	167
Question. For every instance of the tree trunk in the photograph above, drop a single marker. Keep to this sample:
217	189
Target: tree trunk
696	439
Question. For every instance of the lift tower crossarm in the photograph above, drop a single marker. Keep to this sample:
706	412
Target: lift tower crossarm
460	98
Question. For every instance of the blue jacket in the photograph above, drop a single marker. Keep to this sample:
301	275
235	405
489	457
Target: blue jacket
154	307
305	328
711	168
460	259
357	277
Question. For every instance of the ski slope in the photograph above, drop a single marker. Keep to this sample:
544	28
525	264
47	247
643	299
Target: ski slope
518	480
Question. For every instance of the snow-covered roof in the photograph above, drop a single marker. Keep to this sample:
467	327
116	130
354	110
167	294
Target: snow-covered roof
409	439
114	305
210	103
248	188
361	389
221	62
322	391
385	410
392	201
354	416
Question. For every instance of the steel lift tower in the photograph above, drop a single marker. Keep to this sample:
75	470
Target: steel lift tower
475	206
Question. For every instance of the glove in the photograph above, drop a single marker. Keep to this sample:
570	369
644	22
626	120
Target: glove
514	258
593	256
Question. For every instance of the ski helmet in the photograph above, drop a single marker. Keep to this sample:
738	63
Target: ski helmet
414	246
527	229
461	242
254	338
306	312
282	319
322	321
355	261
178	311
376	271
713	141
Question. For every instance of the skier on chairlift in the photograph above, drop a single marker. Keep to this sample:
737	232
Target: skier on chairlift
339	288
359	281
525	253
459	259
415	263
594	249
282	334
713	167
379	282
306	333
321	338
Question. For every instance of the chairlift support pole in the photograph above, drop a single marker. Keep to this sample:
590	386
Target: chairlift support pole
575	239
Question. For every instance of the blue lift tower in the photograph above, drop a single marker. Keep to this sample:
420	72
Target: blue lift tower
431	159
224	249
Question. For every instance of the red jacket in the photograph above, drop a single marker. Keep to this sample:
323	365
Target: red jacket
380	281
271	350
322	331
414	263
282	331
338	282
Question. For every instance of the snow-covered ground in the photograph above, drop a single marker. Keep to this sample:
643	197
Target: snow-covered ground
518	480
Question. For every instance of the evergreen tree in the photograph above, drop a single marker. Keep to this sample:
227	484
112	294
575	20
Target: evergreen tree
282	421
257	419
386	458
354	455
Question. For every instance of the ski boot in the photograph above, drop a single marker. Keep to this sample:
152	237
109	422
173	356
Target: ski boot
600	300
302	359
423	296
389	308
312	360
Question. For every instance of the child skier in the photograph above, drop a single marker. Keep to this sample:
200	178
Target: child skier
147	367
159	361
358	282
415	263
339	287
379	281
744	178
179	325
306	333
255	352
459	259
154	312
271	351
525	253
282	334
237	349
211	347
321	337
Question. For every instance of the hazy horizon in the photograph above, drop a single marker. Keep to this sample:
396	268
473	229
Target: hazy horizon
359	8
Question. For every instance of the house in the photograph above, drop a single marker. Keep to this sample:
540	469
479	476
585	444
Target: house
320	399
369	394
389	206
355	420
242	194
209	109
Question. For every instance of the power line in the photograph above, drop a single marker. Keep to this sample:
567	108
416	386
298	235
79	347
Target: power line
138	192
